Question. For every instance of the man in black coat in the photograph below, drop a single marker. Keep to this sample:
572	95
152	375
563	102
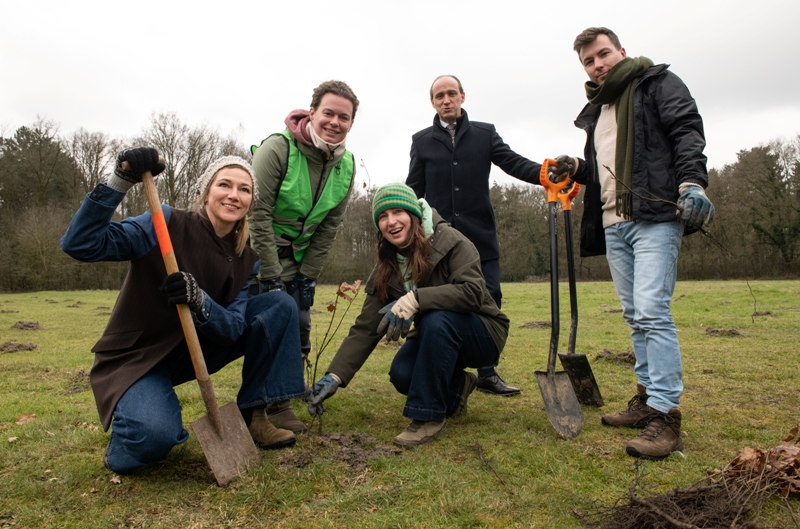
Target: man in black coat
450	164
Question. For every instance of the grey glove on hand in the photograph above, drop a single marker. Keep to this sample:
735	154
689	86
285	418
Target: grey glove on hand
698	211
182	288
323	389
139	161
564	168
393	325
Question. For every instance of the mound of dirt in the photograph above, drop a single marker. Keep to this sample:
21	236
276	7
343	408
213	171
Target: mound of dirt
536	325
710	331
9	311
356	449
620	357
27	326
14	347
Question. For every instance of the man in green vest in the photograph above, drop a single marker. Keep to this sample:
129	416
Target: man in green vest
304	177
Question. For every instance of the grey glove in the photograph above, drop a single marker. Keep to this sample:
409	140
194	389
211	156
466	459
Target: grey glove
394	326
272	285
565	167
322	390
139	161
182	288
698	211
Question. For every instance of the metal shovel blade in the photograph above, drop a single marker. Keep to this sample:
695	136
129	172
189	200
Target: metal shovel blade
560	402
230	452
582	378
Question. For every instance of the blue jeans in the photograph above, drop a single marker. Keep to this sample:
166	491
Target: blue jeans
643	258
429	369
147	419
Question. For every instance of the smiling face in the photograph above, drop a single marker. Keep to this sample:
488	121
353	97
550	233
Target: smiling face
395	226
332	118
599	56
228	200
446	99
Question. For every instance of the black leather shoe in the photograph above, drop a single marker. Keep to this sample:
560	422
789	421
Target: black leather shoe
495	385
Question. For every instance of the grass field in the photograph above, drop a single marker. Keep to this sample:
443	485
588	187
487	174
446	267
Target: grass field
740	391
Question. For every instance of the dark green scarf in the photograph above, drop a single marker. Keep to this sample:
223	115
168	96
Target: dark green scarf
618	89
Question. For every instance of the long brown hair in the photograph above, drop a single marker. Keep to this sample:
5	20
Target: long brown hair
416	253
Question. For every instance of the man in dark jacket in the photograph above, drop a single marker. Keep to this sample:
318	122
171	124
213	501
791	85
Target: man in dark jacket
644	154
450	164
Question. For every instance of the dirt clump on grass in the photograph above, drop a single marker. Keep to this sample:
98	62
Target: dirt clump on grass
27	326
732	497
619	357
79	382
540	324
14	347
356	449
710	331
9	311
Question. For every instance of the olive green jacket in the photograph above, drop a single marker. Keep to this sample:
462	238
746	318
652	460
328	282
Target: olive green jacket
269	163
454	283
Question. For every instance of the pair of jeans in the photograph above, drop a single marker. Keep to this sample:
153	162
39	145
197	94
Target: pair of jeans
429	368
643	258
147	419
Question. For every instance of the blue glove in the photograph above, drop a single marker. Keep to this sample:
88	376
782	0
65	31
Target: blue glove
323	389
306	286
394	326
698	211
271	285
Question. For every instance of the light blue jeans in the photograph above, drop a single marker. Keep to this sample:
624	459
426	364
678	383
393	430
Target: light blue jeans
643	258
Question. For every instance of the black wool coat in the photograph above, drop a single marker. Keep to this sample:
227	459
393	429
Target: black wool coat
455	179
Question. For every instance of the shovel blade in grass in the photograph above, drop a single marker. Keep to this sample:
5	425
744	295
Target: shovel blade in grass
229	453
580	373
560	403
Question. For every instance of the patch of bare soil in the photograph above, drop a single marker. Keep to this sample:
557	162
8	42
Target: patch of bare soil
540	324
102	307
762	313
14	347
27	326
613	311
79	382
619	357
9	311
710	331
356	449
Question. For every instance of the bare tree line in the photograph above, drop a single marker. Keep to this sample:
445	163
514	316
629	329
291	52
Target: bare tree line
44	176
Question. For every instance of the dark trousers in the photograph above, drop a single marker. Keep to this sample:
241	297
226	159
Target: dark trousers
491	273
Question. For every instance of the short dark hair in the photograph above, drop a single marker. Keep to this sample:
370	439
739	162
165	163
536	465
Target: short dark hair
588	35
460	88
338	88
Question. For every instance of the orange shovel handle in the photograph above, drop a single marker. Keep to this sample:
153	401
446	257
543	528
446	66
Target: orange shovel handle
553	190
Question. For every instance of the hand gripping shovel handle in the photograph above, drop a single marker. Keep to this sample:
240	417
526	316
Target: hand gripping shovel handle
164	242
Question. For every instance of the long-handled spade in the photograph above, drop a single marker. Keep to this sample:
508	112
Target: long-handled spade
560	402
223	435
576	365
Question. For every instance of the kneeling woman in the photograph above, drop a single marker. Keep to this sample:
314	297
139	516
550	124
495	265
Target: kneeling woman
143	353
428	273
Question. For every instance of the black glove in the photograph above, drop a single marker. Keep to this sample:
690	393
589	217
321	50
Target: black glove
181	288
306	286
272	285
565	167
140	160
322	390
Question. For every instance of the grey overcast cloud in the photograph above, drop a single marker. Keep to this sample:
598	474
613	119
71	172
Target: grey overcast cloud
241	66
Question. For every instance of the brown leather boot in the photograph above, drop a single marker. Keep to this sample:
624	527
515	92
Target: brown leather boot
281	416
636	413
661	437
265	435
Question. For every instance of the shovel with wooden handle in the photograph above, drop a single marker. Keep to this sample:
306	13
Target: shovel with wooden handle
560	402
576	365
222	433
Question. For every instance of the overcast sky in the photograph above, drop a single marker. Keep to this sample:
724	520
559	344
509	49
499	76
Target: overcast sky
242	66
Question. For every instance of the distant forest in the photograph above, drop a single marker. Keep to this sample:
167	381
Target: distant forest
44	177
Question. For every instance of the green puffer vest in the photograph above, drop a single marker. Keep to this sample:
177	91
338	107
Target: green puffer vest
296	215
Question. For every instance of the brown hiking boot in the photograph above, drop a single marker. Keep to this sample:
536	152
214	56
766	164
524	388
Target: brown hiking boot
470	381
281	416
661	437
635	415
265	435
419	432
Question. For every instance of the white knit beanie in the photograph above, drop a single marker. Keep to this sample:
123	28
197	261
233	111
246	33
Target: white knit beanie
220	163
